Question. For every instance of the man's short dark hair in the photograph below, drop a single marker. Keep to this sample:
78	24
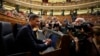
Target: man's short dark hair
33	16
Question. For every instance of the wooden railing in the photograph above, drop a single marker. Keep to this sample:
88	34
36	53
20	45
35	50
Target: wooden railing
87	17
11	19
58	3
59	18
90	18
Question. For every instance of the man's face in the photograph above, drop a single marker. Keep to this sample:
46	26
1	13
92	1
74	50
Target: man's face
35	22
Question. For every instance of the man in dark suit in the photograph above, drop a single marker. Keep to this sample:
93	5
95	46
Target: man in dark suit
26	38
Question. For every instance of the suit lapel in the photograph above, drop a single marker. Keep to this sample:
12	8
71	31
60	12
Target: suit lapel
32	32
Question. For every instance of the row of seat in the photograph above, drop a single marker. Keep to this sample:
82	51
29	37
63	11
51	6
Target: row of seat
7	40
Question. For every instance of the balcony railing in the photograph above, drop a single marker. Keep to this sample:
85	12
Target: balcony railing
56	6
58	3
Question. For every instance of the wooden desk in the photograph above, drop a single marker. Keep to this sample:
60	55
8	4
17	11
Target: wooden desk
11	19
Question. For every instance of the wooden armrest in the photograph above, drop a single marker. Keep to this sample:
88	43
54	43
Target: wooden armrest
41	53
56	52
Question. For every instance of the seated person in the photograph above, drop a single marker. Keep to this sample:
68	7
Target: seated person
55	37
26	38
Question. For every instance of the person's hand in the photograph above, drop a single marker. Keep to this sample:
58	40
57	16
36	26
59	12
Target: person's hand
76	44
35	28
76	39
48	41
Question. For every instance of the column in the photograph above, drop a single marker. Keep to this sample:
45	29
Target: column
92	10
1	3
30	10
45	12
63	12
17	8
41	11
51	12
73	14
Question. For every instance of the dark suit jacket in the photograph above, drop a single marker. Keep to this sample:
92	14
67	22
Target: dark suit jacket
26	41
